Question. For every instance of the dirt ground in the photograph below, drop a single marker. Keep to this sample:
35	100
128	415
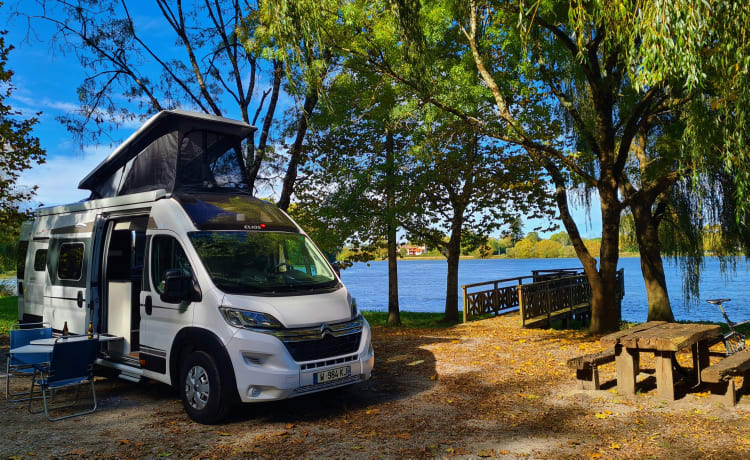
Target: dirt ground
487	389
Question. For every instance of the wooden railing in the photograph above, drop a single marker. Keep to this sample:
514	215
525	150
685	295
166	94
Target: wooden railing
495	300
545	297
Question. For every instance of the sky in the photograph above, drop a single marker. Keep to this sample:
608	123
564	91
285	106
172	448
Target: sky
46	79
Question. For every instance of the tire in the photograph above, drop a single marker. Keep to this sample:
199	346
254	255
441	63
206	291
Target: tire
203	391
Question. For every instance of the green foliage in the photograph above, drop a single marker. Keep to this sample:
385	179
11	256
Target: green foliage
8	314
19	151
409	320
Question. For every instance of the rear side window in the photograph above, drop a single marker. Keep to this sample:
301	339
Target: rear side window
23	247
70	263
40	260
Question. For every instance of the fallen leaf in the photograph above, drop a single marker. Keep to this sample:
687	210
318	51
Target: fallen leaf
372	411
414	363
122	442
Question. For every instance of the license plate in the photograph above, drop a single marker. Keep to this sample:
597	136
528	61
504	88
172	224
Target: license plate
332	374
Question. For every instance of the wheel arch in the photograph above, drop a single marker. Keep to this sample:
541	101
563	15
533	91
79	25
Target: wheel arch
191	339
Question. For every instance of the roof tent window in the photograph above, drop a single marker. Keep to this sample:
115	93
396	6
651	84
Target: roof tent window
210	161
153	168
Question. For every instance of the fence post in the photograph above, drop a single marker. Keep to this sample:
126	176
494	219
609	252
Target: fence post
496	299
520	303
465	304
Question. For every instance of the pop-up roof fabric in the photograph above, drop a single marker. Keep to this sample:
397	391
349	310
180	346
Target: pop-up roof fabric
175	151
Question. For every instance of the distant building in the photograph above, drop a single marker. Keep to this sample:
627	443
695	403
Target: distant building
414	250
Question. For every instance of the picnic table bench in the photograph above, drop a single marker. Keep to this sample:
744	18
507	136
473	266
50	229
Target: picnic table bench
720	376
664	340
587	368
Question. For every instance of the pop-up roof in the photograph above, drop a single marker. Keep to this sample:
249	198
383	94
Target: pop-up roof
175	150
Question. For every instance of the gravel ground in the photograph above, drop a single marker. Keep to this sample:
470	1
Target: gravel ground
487	389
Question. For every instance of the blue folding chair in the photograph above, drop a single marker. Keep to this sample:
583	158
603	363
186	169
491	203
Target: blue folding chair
72	364
22	364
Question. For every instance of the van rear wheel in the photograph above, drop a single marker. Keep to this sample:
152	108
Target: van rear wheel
202	389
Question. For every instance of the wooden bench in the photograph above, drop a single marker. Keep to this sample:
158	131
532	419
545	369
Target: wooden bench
587	368
720	376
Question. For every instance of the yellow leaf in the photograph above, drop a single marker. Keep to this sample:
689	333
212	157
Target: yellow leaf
614	445
600	415
372	411
414	363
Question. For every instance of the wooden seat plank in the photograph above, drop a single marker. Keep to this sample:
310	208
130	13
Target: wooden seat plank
594	359
735	365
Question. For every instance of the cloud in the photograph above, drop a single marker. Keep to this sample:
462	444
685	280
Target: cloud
58	178
32	105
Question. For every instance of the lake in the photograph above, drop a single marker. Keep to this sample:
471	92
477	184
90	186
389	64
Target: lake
422	285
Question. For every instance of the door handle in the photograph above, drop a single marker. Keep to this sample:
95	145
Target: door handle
79	299
149	306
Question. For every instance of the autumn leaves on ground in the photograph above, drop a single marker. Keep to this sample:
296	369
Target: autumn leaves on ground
488	389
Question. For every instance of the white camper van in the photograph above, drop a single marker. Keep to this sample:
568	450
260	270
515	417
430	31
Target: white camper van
206	288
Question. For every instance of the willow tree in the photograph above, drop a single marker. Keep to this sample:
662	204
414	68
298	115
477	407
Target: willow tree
574	85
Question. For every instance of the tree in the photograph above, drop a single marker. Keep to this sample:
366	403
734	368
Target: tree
357	189
130	76
468	186
19	150
561	237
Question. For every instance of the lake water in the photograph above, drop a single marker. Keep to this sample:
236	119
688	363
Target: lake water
422	285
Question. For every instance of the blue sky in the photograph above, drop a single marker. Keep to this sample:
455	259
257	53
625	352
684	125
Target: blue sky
46	80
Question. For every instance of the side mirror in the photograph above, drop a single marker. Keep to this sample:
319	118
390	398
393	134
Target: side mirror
337	268
178	286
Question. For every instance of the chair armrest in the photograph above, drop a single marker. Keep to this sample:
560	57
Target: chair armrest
41	367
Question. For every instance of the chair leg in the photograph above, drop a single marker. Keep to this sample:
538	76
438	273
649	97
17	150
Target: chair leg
89	411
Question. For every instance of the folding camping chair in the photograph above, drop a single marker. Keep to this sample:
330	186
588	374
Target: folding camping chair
72	364
22	364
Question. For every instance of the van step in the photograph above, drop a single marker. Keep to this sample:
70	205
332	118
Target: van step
130	377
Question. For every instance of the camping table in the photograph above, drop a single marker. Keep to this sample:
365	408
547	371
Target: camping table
32	349
51	341
664	340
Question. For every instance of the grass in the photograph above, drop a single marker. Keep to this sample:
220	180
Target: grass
8	314
409	319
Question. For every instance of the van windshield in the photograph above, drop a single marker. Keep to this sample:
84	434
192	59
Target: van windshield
262	262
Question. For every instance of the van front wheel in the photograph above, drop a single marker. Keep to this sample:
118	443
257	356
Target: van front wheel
202	389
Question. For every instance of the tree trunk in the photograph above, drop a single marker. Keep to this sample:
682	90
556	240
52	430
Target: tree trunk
605	306
394	315
647	234
295	153
451	294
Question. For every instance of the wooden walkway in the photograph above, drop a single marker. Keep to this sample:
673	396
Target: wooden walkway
542	297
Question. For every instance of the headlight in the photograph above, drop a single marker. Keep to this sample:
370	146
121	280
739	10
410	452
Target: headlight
249	319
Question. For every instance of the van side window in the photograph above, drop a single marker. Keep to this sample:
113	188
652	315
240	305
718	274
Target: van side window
166	254
40	260
70	263
23	248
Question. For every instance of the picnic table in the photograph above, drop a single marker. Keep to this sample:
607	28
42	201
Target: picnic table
663	340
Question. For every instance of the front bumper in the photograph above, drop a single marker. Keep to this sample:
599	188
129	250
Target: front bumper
265	371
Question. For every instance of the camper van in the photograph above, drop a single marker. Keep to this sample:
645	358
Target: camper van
191	280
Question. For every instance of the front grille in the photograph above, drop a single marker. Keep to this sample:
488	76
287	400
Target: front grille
324	341
328	362
322	386
326	347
